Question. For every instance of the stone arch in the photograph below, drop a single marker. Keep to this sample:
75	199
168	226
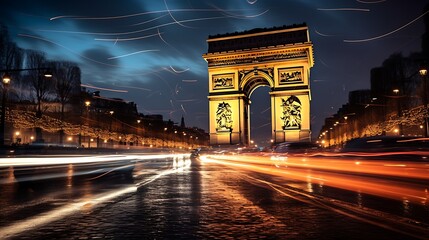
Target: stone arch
239	63
255	79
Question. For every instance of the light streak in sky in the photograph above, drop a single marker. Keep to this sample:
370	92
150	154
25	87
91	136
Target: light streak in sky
137	14
252	2
179	71
322	34
246	16
105	89
125	39
386	34
68	49
160	36
172	17
139	88
229	14
189	80
148	21
344	9
133	53
181	105
138	31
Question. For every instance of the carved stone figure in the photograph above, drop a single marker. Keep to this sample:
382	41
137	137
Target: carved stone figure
291	113
222	82
224	117
290	76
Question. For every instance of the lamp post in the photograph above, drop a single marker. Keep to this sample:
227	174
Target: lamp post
423	73
163	140
6	82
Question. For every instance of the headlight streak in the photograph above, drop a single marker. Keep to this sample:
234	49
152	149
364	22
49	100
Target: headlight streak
61	212
335	176
180	163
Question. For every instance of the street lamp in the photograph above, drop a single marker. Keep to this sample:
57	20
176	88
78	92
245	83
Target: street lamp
6	82
423	73
398	105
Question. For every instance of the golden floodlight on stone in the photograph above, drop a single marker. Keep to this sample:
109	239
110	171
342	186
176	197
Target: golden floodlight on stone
238	63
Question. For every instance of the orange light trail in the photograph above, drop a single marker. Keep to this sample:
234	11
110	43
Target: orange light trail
345	174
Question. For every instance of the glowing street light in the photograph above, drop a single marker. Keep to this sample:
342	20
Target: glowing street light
6	83
423	73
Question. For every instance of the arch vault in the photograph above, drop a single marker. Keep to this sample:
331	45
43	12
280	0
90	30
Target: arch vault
238	63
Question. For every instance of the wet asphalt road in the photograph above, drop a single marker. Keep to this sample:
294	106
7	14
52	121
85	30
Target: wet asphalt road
184	199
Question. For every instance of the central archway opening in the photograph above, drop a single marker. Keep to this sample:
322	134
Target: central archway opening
260	116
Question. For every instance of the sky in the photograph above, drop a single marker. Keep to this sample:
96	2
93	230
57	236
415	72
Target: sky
150	51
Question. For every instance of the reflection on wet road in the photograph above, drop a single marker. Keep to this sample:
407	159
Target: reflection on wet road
221	196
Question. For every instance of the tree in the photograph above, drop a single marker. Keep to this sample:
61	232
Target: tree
42	87
67	76
11	56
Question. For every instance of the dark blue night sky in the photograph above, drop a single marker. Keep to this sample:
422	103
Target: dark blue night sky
150	52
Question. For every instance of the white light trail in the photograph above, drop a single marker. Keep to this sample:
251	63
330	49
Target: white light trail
105	89
172	17
322	34
60	213
154	19
134	53
125	39
386	34
68	49
137	14
179	71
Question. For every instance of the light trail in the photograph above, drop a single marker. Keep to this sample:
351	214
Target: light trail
154	19
104	89
181	162
68	49
172	17
386	34
124	39
322	34
70	159
184	111
137	14
134	53
339	173
61	212
373	217
137	31
179	71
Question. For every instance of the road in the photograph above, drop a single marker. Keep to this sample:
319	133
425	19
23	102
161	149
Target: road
216	197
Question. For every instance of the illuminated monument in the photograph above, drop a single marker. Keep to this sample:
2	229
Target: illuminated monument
238	63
